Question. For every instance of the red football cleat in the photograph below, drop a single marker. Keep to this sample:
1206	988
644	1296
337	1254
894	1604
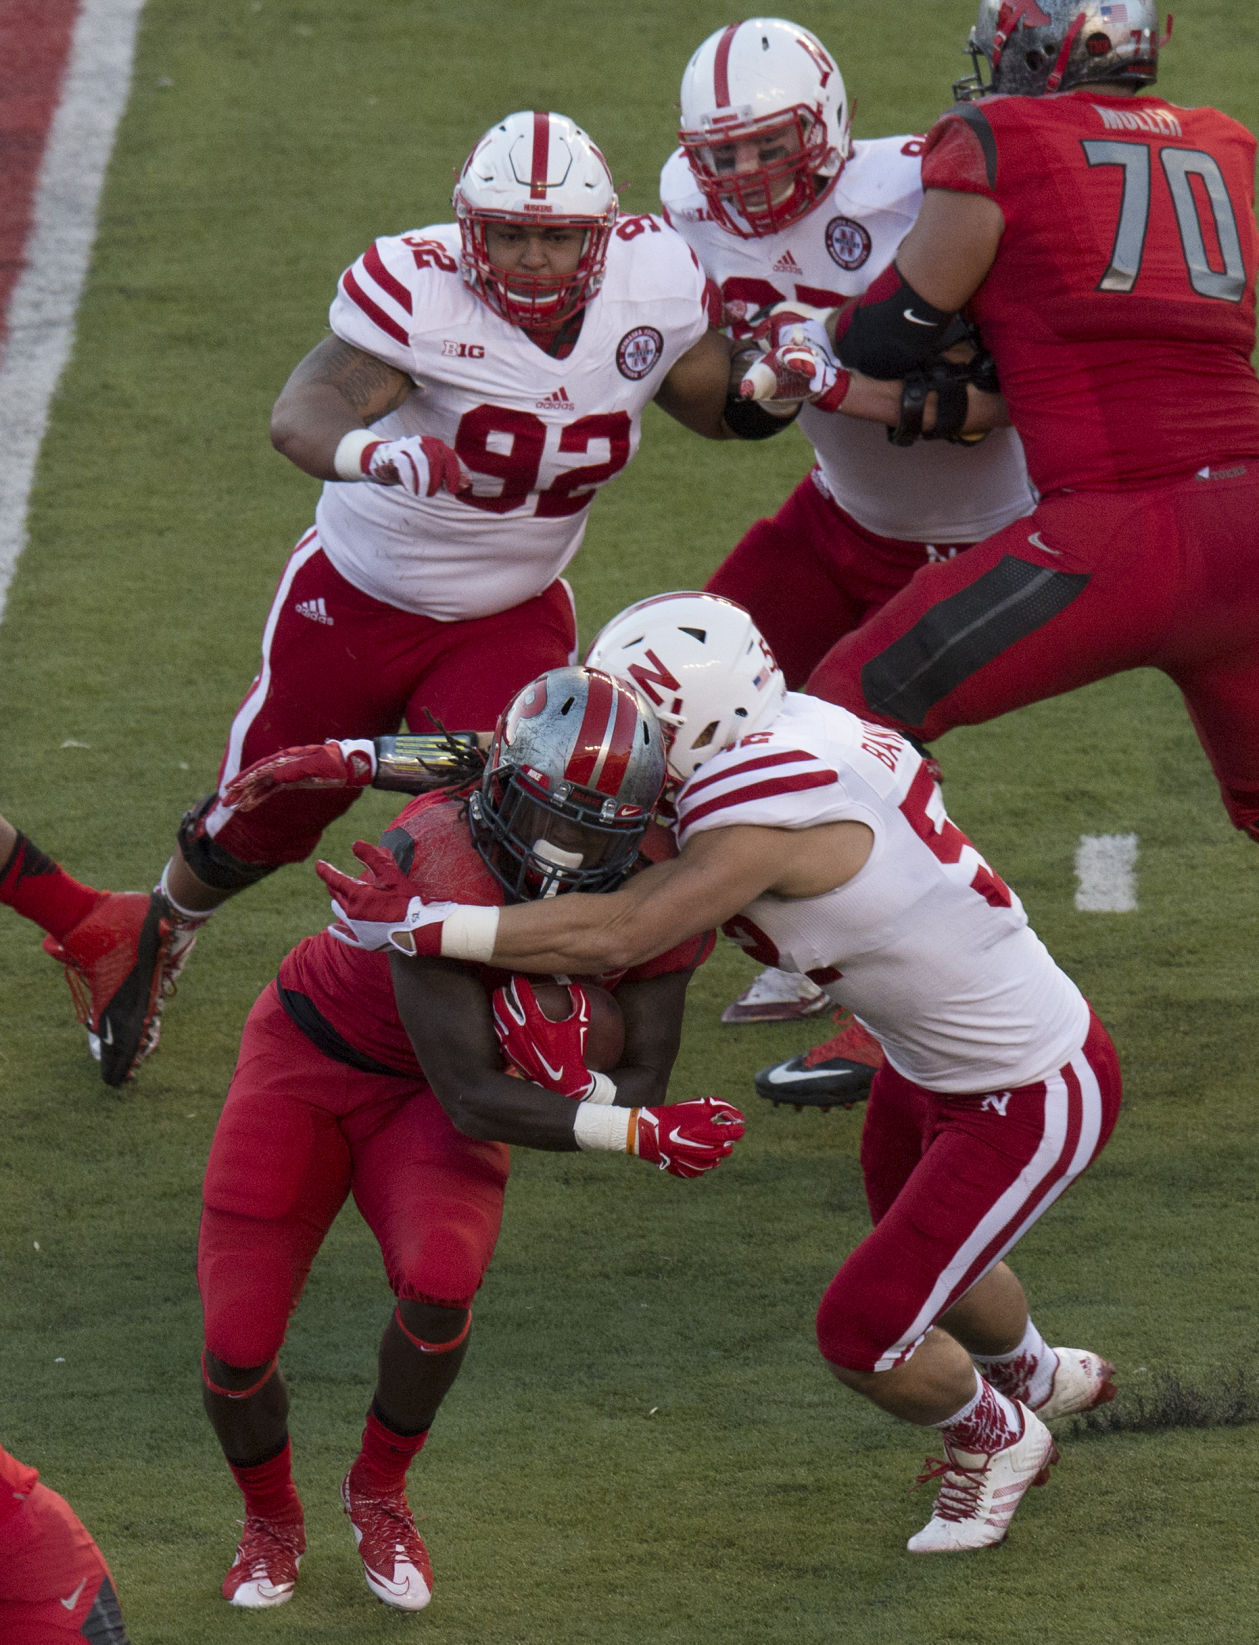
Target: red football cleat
121	962
264	1571
395	1560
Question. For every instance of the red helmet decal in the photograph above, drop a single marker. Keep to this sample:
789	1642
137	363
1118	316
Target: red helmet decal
721	67
541	149
648	681
601	752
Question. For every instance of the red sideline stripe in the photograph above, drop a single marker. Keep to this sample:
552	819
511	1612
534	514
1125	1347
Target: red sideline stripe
35	38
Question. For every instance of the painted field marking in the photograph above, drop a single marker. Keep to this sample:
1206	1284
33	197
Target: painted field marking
63	226
1106	873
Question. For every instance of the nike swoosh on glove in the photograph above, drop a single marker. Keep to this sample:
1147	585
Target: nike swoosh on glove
382	909
688	1138
551	1054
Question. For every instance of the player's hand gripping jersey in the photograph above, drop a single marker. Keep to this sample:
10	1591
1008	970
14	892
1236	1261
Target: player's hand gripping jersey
926	945
930	492
538	434
342	996
1121	306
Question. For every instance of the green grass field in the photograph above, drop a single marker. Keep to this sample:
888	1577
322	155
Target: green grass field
644	1446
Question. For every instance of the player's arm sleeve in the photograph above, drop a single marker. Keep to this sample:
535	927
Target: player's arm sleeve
895	328
376	300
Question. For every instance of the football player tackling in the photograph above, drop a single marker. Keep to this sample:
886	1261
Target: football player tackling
821	844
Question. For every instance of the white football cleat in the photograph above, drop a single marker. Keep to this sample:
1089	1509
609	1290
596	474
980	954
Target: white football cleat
264	1571
1081	1381
979	1492
777	996
396	1565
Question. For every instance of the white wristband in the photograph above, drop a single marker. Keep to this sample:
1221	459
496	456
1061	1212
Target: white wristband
347	459
612	1129
603	1090
470	934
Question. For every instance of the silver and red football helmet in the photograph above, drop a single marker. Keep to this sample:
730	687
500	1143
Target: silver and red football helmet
535	169
704	666
1035	47
751	83
571	781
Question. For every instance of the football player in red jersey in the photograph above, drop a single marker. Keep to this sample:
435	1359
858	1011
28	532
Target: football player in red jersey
55	1587
386	1078
1105	241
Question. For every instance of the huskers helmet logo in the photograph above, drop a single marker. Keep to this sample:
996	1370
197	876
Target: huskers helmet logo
654	682
848	242
638	352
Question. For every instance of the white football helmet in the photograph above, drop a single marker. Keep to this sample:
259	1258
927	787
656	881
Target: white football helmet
747	83
1034	47
570	784
535	169
702	663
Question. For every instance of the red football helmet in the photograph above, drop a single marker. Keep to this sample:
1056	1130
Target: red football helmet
535	169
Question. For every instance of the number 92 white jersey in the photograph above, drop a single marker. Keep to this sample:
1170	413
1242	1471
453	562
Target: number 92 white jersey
925	944
931	492
539	434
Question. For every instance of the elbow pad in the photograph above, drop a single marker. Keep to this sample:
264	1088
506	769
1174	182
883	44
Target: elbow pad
892	329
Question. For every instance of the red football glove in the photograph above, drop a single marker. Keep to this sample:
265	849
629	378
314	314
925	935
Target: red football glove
420	464
551	1054
383	909
315	765
688	1138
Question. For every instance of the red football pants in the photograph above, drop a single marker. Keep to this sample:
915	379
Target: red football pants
952	1184
338	663
300	1132
55	1587
1091	584
810	573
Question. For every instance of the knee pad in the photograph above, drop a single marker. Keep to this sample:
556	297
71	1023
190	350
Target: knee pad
208	860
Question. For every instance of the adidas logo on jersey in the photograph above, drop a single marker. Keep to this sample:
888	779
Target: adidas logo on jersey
787	264
315	610
559	401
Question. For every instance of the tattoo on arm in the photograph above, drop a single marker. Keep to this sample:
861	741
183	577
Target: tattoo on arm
371	386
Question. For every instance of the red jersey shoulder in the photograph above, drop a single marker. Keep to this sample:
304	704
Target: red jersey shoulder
432	844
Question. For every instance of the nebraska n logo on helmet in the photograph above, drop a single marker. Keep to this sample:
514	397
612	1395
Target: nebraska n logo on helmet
535	169
1035	47
704	665
764	124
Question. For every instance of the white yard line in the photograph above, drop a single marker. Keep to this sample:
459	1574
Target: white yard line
1106	873
46	296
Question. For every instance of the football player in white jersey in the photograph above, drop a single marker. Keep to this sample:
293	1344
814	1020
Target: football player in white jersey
820	843
483	379
782	207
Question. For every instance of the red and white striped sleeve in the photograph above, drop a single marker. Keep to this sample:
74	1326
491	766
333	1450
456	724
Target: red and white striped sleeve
761	787
375	303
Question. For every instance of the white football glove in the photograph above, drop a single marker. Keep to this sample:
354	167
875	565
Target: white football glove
420	464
